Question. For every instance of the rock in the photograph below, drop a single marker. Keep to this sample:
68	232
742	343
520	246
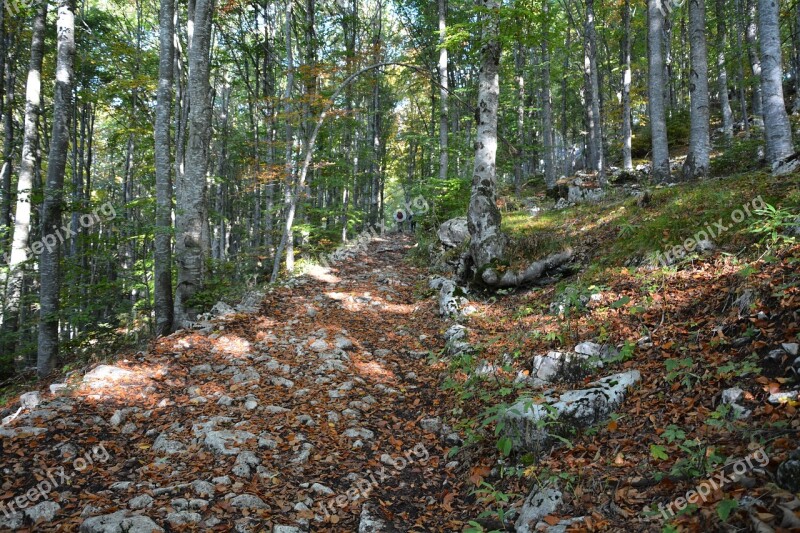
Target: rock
244	463
225	400
454	232
203	488
59	389
548	368
732	395
319	346
322	490
140	502
183	518
788	475
590	349
200	369
359	433
305	453
248	501
250	405
452	298
530	426
275	409
120	522
776	355
218	441
369	522
561	204
165	445
44	511
343	343
578	193
31	400
107	376
705	246
286	529
221	309
790	347
431	425
121	485
539	503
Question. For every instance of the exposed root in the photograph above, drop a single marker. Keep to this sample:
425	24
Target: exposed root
530	275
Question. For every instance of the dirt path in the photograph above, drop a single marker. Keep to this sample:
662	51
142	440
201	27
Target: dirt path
311	414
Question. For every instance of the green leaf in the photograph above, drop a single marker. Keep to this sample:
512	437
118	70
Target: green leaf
658	452
725	507
625	300
504	445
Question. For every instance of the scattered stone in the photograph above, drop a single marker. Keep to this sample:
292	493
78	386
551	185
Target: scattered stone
32	400
275	409
248	501
165	445
322	490
44	511
218	441
355	433
790	347
319	346
431	425
140	502
203	488
778	398
286	529
120	522
539	503
225	400
732	395
369	522
183	518
343	343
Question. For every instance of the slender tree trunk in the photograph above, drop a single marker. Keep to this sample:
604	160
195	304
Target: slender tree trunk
547	103
751	34
520	159
191	246
9	75
777	130
162	253
444	111
697	161
27	170
656	104
627	161
487	243
564	121
722	43
49	261
596	160
740	69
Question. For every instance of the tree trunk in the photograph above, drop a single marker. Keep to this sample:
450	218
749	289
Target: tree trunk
162	253
8	139
520	161
49	260
751	34
487	242
627	161
722	43
656	104
740	69
27	170
595	143
697	161
444	108
547	103
777	130
191	243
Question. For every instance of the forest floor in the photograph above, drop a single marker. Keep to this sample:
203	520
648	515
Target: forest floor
313	407
328	408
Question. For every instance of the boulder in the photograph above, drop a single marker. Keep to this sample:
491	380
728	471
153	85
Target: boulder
542	501
531	426
788	475
454	232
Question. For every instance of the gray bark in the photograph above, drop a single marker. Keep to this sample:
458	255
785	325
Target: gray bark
27	170
777	130
191	243
627	161
698	160
8	136
740	69
520	159
547	103
487	242
656	103
595	140
49	260
444	111
722	80
162	254
751	34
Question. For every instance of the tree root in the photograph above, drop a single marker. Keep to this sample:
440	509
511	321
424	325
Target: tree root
534	272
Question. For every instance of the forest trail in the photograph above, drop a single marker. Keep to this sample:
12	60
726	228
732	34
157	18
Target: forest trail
321	412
